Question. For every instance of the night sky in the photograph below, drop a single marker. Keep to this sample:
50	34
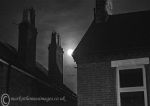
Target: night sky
70	18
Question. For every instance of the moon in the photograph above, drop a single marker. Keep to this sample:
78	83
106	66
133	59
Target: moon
69	52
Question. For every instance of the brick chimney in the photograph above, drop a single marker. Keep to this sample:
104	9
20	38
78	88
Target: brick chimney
100	11
55	60
27	39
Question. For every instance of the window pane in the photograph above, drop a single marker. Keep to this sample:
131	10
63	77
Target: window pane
131	77
132	98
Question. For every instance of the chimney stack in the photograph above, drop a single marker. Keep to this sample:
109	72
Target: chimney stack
55	61
25	15
27	39
58	40
32	16
100	11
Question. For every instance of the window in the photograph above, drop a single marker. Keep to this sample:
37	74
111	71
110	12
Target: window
132	86
131	82
132	98
131	77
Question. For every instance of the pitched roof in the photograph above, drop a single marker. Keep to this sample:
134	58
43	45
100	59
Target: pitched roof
119	32
9	55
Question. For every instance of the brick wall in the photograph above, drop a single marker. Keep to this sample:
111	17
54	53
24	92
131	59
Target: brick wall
26	86
96	84
19	84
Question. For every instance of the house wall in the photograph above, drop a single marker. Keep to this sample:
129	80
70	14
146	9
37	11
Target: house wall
18	84
96	84
26	86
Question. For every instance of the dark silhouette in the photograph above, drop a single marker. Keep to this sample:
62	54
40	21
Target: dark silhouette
113	52
22	76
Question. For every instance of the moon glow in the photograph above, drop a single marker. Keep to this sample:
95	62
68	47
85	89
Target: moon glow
69	52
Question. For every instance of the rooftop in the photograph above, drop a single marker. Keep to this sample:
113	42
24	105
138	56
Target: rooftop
120	32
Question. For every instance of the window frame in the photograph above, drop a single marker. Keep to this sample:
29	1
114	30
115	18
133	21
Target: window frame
131	89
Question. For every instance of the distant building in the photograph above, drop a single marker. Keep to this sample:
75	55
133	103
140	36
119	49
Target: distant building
113	67
23	78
